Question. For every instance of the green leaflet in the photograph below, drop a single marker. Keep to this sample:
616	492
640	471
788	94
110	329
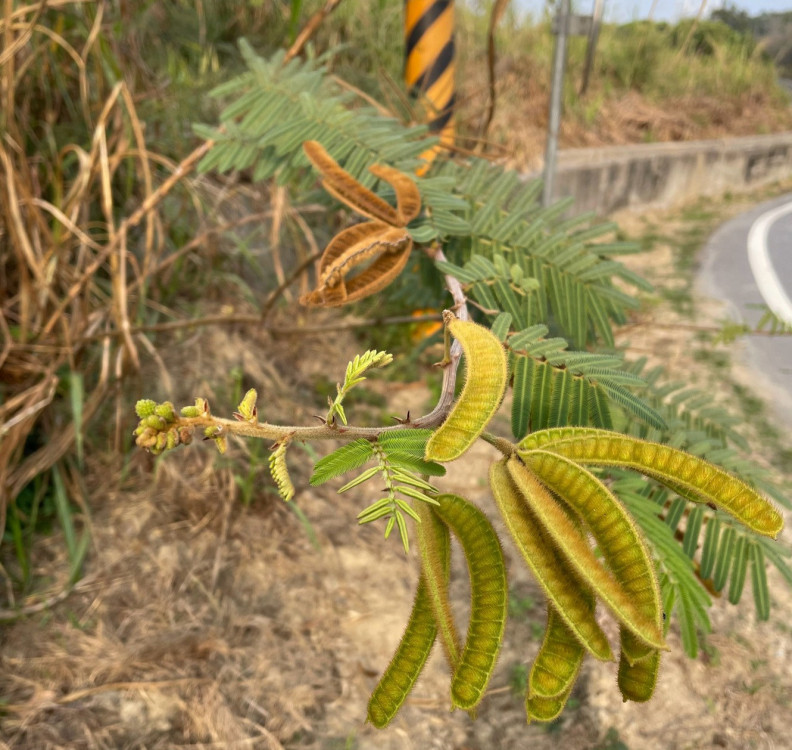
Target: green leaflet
346	458
560	656
434	544
561	586
579	555
683	472
618	538
408	661
481	394
488	593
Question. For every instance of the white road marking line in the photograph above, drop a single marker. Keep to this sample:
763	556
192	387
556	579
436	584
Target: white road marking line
766	277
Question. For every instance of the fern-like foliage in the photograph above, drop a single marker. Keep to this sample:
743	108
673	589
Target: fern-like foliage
354	376
399	464
546	282
476	209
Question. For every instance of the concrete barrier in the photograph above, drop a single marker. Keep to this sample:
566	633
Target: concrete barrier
664	174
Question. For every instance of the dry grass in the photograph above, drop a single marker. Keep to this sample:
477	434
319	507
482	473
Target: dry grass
102	238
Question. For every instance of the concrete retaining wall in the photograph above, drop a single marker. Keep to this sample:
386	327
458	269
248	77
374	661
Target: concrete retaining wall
664	174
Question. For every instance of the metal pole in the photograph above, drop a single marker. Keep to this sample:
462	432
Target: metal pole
591	47
556	96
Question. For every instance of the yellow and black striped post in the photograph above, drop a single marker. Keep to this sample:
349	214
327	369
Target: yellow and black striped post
429	63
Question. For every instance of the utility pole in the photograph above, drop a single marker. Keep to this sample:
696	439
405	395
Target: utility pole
556	97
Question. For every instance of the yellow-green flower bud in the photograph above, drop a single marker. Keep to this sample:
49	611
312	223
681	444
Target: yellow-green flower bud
221	443
173	439
154	421
190	411
247	408
166	411
145	407
162	441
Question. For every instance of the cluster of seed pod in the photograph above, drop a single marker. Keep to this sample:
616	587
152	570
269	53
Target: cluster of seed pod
552	506
383	242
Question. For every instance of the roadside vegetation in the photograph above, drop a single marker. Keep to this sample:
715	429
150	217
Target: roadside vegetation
117	261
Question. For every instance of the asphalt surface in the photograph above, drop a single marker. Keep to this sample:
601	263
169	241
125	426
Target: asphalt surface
728	274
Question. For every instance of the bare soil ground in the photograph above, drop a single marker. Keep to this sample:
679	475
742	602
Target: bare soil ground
204	623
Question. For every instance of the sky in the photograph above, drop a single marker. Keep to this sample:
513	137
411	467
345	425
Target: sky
621	11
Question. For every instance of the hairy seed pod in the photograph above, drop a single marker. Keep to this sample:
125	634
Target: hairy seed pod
538	708
575	548
488	594
543	438
562	587
481	394
691	476
408	661
637	680
408	199
343	186
434	544
617	536
560	656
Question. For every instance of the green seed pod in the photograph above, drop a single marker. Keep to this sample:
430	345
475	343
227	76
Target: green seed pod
575	548
691	476
559	659
488	593
546	709
145	407
637	680
563	588
434	544
617	536
481	394
408	661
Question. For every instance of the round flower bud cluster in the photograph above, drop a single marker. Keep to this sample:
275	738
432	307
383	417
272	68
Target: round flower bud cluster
157	430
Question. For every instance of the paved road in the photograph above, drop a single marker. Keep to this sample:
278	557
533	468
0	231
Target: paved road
748	261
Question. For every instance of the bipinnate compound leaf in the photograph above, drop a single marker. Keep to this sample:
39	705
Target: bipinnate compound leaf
562	587
576	551
683	472
488	595
408	661
346	458
617	536
481	394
